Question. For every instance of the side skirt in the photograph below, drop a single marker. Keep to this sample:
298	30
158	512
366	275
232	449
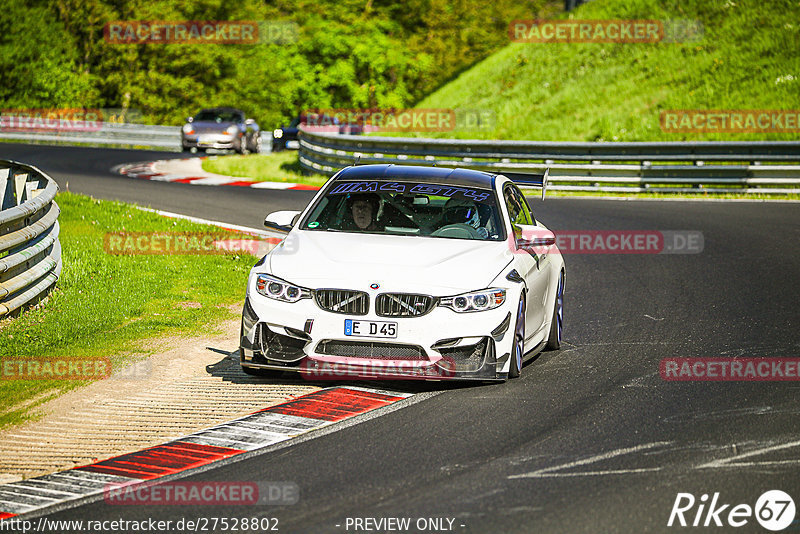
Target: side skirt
533	352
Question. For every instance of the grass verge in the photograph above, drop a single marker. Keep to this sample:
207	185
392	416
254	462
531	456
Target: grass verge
106	305
276	167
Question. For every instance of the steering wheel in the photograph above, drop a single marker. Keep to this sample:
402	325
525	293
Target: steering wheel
460	230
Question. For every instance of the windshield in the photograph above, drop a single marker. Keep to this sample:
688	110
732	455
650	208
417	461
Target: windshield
218	116
407	208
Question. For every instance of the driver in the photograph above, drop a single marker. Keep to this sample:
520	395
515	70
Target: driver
364	209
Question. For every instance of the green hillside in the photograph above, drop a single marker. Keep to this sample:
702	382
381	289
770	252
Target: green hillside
747	58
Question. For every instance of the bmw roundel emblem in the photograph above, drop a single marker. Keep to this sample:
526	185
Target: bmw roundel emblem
374	286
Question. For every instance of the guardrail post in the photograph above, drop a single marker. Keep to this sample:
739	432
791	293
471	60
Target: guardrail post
19	187
5	187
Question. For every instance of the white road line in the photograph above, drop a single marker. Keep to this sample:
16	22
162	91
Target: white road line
732	461
589	473
548	471
766	463
272	185
211	180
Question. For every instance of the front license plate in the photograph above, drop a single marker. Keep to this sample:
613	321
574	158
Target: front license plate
370	328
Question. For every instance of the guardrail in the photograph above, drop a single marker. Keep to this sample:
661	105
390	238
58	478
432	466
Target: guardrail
758	166
30	253
130	135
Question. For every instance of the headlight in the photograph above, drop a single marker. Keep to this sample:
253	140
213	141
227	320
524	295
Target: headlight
188	129
278	289
487	299
277	133
232	130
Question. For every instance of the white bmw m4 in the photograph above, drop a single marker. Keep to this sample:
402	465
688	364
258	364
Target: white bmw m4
406	272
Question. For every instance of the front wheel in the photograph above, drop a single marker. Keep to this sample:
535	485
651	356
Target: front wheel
518	352
557	323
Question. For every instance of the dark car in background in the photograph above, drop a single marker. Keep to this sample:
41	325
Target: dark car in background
285	137
221	129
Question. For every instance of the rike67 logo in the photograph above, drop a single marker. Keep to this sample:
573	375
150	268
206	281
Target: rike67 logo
774	510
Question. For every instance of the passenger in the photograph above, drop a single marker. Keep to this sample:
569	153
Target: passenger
461	211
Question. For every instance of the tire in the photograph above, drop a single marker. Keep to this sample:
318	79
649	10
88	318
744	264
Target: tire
518	350
557	323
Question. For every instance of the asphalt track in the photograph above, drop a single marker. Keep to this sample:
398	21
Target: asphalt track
590	438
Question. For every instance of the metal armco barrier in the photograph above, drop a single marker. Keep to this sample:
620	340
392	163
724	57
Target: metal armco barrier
132	135
30	253
744	166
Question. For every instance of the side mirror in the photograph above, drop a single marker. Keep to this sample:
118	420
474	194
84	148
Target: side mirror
189	119
281	221
534	237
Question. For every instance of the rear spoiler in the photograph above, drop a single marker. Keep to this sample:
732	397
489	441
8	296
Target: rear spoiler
529	179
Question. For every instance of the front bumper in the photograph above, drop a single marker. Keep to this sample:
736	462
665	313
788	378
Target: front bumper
441	345
216	141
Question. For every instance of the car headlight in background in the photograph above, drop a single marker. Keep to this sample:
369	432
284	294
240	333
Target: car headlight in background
232	129
475	301
188	129
277	133
278	289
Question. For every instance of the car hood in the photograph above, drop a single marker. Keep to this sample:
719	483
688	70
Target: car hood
211	126
436	266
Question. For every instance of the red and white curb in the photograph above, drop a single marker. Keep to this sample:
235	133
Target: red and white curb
190	171
261	429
